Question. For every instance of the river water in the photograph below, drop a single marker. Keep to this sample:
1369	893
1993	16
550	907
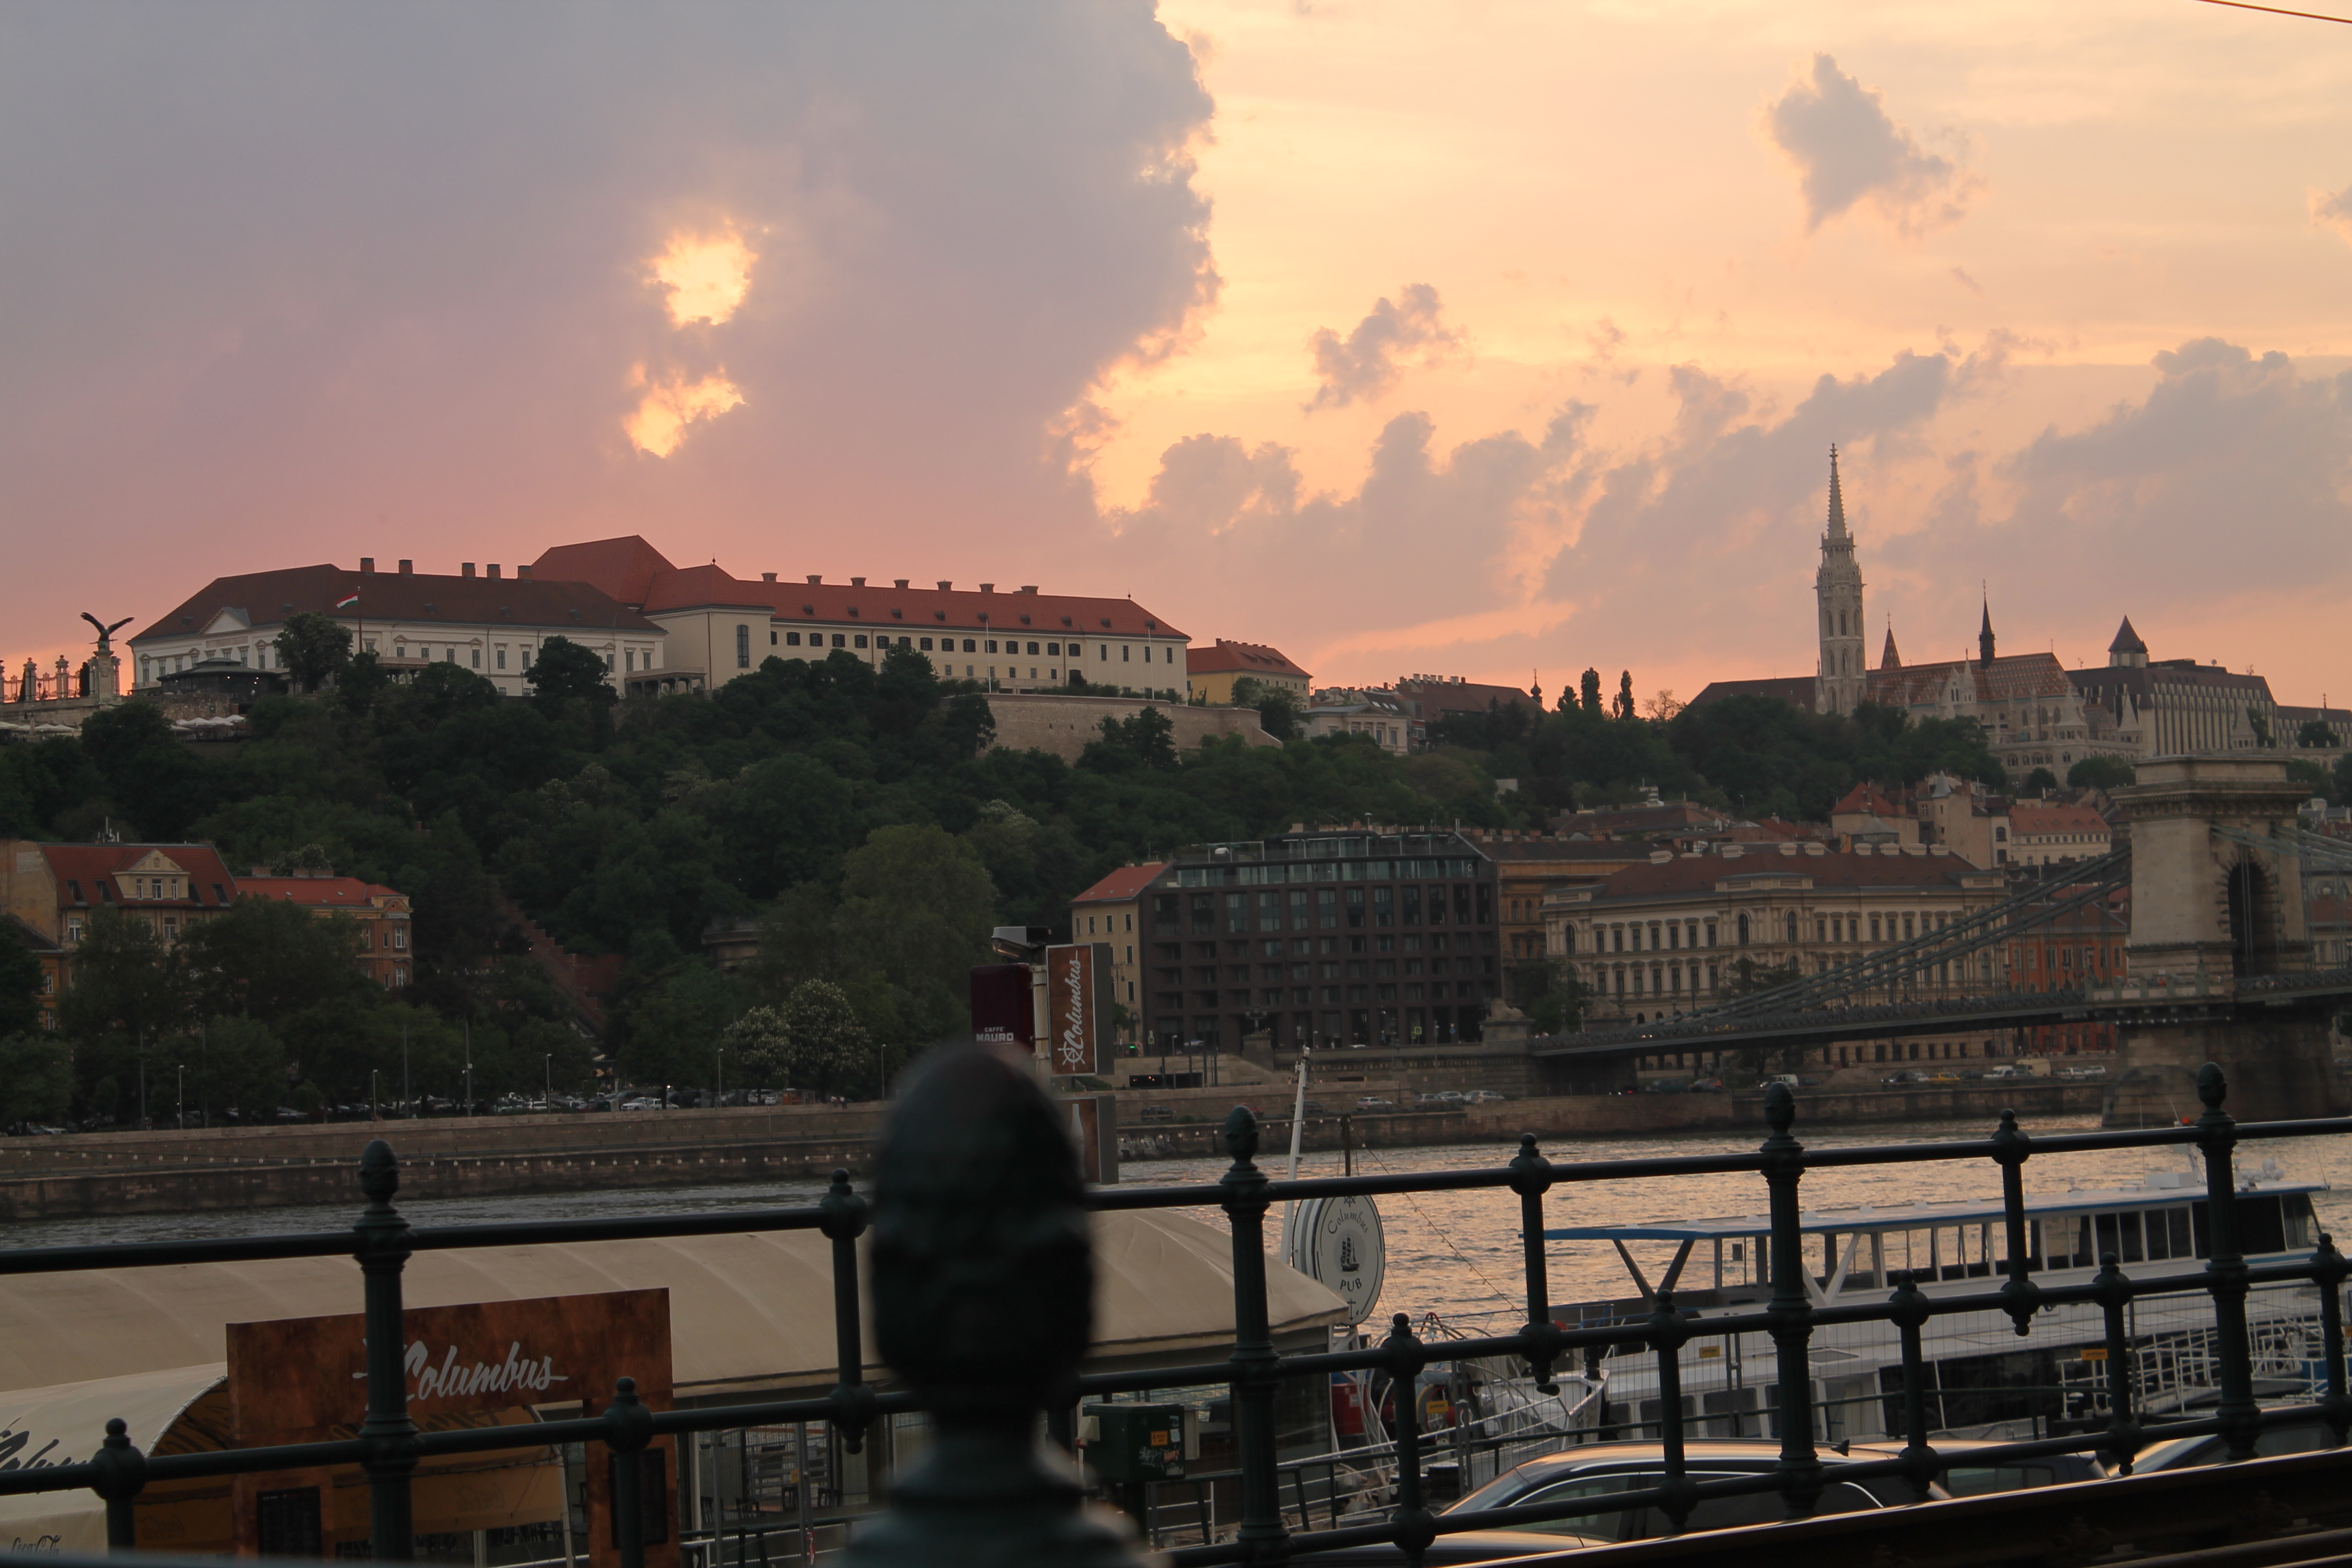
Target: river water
1455	1253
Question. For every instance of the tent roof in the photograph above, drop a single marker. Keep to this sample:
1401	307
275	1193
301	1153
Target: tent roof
749	1311
62	1425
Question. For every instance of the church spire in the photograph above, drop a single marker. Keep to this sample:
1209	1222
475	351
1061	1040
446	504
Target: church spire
1890	659
1837	499
1984	632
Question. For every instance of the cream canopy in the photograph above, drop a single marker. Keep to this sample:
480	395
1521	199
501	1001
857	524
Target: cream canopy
63	1425
749	1313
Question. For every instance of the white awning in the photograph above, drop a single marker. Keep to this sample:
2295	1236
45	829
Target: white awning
750	1311
63	1424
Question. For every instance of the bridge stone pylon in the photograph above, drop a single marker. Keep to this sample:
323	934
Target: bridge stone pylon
2208	910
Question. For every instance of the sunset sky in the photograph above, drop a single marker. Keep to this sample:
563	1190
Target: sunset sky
1483	339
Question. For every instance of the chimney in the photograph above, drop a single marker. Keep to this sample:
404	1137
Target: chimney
407	567
367	564
988	588
1028	587
522	573
901	582
857	582
494	570
814	580
767	576
946	586
465	569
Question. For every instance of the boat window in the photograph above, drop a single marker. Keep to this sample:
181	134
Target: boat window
2066	1242
1961	1252
2000	1248
2295	1208
2119	1234
2259	1226
2167	1233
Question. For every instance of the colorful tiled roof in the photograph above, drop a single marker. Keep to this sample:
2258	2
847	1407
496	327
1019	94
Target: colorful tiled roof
82	870
315	892
1122	884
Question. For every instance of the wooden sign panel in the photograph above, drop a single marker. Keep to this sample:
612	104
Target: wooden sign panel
480	1364
1077	1007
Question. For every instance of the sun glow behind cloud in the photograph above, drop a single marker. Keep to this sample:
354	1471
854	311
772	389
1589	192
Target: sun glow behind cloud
669	408
706	275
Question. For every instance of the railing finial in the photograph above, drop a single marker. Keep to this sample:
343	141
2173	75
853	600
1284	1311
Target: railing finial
379	1173
1780	1109
1241	1134
2211	1086
983	1300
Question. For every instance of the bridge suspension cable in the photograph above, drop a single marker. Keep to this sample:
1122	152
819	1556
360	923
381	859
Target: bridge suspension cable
2091	882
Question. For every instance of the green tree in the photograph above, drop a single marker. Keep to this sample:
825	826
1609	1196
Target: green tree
2317	733
674	1025
36	1079
125	982
1144	742
20	983
1277	707
2099	772
314	647
2039	780
565	676
363	682
916	909
266	959
148	775
241	1067
1625	708
1589	689
817	1041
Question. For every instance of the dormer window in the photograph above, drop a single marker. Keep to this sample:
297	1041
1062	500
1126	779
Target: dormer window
853	611
1024	620
939	614
106	892
897	615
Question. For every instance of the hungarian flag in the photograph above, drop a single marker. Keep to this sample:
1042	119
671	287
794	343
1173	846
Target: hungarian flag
347	603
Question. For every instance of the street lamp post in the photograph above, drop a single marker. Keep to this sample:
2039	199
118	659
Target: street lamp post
469	1067
548	1061
404	1099
181	1115
722	1075
371	1097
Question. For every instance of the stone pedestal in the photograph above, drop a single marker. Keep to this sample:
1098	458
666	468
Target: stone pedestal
2278	1070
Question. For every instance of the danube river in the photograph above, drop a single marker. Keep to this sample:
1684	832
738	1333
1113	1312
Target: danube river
1453	1254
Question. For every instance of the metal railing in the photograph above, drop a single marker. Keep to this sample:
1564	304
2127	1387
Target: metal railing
982	1292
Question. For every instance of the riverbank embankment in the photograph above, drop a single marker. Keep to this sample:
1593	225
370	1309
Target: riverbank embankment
171	1171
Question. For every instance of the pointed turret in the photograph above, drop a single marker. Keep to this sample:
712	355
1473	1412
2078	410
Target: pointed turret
1837	499
2127	651
1984	633
1890	659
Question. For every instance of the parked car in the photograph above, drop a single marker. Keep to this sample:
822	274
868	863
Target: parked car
1444	1097
1597	1469
1374	1102
2010	1072
2177	1453
1908	1076
1484	1097
1964	1478
2080	1075
1706	1086
1156	1113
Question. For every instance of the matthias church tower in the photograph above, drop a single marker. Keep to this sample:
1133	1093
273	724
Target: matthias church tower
1837	589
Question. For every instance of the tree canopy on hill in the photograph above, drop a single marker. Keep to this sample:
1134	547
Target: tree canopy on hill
856	814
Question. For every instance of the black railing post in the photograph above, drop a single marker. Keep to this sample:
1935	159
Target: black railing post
1255	1365
845	1221
389	1434
1532	1178
2329	1269
1666	1336
629	1428
2019	1296
2240	1418
2124	1437
1910	1315
1412	1525
983	1302
1791	1314
122	1476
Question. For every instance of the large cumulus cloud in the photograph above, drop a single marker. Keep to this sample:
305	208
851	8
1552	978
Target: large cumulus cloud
277	273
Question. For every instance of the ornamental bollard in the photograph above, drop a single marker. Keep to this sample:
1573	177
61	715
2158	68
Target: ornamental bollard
984	1304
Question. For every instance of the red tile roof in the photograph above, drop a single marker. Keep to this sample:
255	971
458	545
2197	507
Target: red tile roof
266	598
86	865
1122	884
1241	657
2036	817
315	892
1796	690
1866	799
624	569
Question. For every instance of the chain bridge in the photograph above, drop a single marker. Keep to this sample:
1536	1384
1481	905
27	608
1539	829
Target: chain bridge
2218	966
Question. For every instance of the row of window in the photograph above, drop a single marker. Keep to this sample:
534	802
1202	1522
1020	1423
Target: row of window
929	645
1666	936
1305	909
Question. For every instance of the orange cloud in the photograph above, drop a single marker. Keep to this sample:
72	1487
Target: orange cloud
706	275
666	409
